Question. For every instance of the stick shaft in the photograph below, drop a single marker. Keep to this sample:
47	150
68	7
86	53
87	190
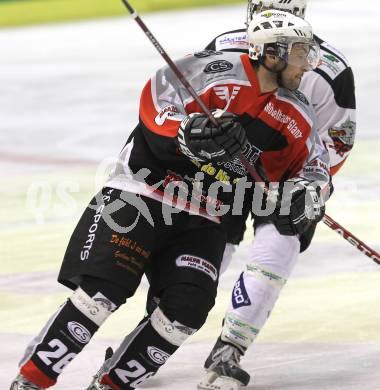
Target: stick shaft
348	236
170	62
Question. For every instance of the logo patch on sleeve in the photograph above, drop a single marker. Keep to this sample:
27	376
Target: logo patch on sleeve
343	136
240	297
167	112
198	264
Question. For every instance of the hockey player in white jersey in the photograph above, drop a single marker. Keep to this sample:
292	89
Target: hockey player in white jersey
273	254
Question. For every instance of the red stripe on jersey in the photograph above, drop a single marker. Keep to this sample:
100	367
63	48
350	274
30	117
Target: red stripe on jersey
157	122
33	374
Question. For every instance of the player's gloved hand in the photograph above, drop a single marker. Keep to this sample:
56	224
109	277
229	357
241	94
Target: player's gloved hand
300	205
198	137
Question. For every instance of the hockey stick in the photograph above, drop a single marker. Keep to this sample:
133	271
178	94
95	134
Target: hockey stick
375	256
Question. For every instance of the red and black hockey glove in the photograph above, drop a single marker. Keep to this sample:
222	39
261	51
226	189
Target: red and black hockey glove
199	138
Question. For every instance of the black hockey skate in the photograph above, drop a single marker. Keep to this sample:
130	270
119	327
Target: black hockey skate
95	384
21	383
223	371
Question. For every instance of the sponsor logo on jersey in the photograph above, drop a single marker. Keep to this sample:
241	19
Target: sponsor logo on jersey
331	58
234	40
157	355
294	129
279	116
218	66
317	167
343	136
338	54
79	332
333	64
198	264
318	163
276	114
240	297
165	113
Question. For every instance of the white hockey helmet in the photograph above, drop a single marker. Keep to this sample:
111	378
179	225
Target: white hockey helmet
295	7
277	32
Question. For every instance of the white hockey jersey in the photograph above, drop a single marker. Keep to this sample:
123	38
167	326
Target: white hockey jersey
330	89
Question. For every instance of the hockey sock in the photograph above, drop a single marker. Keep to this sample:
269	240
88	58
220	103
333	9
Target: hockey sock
144	351
68	331
63	337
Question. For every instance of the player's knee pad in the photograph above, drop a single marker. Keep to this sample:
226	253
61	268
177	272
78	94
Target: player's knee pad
97	308
188	304
66	333
173	332
105	290
253	298
274	252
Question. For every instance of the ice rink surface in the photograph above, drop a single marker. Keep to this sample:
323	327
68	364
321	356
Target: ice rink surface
69	97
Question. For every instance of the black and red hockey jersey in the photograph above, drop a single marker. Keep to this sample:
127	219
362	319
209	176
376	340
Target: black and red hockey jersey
280	127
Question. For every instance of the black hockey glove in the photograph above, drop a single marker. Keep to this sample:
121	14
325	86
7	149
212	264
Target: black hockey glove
199	138
300	205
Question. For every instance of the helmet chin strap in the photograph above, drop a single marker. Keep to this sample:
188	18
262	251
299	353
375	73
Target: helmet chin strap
279	78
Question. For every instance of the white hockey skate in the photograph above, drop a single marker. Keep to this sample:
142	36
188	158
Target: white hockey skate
223	371
21	383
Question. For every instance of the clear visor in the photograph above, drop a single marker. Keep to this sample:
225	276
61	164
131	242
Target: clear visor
303	53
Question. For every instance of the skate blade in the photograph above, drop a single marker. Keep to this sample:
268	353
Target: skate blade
212	381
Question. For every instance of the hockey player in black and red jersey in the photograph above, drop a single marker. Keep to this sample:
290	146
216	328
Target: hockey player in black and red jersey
161	207
330	89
